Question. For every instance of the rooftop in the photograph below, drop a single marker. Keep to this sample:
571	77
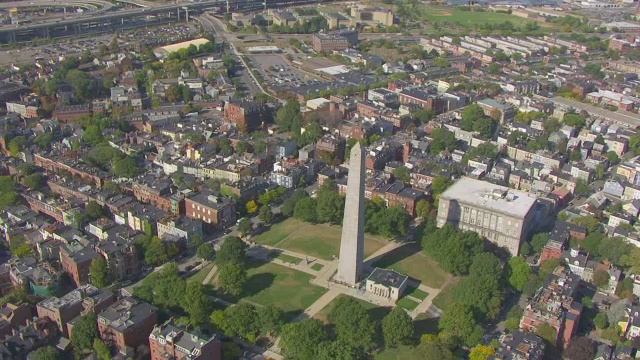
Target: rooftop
125	313
387	278
489	196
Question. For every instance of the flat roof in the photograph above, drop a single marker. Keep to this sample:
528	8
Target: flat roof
490	196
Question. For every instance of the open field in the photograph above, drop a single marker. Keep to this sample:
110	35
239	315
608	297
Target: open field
289	259
410	260
444	298
416	293
376	311
320	240
288	289
469	18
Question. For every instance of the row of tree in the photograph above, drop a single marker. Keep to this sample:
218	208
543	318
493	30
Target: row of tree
354	333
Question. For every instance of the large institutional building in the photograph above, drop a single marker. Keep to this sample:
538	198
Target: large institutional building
504	216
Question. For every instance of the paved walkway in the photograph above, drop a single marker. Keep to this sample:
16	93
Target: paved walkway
210	275
427	303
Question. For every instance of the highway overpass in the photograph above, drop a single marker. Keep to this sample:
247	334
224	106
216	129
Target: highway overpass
108	22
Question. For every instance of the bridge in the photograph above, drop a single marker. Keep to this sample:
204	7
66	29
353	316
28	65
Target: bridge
111	21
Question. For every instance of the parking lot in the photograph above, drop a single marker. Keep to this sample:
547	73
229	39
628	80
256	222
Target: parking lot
275	70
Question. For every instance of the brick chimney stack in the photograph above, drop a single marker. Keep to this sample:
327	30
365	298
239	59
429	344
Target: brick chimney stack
406	151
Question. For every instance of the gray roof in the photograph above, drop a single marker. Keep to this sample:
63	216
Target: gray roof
388	278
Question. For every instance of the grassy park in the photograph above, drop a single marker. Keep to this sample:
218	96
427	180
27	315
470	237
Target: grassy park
410	260
288	289
318	240
445	295
202	273
469	18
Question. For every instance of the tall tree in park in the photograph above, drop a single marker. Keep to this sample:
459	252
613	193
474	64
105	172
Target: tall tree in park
243	320
289	117
271	319
305	210
206	252
156	252
251	207
232	278
99	272
302	340
196	303
519	272
266	214
331	350
397	328
353	324
45	353
233	250
244	226
470	115
85	330
458	322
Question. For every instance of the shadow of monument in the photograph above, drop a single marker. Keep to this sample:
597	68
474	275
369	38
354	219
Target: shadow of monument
394	256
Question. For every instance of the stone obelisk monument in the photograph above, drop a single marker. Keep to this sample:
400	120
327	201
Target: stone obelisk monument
352	241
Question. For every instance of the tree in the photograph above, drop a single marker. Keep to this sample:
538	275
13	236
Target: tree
156	253
580	348
288	206
470	115
548	333
206	252
251	206
481	352
513	318
424	115
233	250
196	302
329	205
84	332
302	340
17	144
458	322
305	210
538	242
601	278
266	215
34	181
485	263
289	118
485	126
101	349
440	184
126	167
242	320
93	135
45	353
353	324
24	250
601	321
402	173
519	272
94	210
271	319
632	260
397	328
434	350
443	139
99	272
245	226
232	278
423	208
330	350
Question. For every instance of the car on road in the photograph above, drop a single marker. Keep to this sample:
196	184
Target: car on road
126	283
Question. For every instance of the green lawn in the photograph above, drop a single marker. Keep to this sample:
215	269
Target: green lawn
410	260
317	266
407	303
471	18
377	312
202	273
445	296
416	293
283	287
288	258
317	240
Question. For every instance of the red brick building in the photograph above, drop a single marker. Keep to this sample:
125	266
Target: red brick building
247	115
71	112
168	341
128	322
75	168
331	149
153	193
329	42
12	316
214	210
555	305
75	260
